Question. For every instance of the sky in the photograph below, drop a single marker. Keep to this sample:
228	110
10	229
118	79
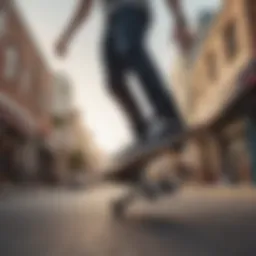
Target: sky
100	113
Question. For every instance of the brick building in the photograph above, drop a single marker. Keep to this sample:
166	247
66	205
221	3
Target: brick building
25	80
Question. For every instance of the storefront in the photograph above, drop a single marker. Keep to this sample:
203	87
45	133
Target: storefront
236	129
226	146
16	134
47	155
235	152
10	143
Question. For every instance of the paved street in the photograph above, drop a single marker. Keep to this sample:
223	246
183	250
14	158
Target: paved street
192	222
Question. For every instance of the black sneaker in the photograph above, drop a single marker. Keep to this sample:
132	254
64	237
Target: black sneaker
163	128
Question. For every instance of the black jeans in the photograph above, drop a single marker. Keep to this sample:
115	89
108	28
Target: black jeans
124	51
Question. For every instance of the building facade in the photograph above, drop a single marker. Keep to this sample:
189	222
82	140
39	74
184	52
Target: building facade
24	90
224	54
218	62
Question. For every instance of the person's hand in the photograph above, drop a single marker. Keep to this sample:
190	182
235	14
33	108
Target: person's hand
61	47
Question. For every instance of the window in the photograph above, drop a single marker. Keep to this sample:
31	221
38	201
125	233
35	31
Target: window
43	103
230	40
37	83
211	66
250	7
3	19
26	81
35	80
11	62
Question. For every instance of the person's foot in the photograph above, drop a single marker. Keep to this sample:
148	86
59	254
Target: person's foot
155	131
163	128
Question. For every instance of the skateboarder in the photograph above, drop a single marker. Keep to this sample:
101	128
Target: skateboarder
126	24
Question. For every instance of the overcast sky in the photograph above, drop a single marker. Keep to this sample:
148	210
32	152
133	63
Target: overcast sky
100	113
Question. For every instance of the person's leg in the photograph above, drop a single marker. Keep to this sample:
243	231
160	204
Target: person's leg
130	35
152	84
115	71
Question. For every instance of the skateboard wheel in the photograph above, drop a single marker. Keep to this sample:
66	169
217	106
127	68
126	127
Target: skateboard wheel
148	191
118	208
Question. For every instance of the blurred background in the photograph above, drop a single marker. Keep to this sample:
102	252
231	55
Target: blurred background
60	129
57	121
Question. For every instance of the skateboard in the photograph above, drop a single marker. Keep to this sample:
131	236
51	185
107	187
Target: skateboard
143	190
131	169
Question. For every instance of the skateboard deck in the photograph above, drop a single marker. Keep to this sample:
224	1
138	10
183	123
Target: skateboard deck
129	167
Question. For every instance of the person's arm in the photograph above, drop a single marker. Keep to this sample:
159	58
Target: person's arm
81	13
177	11
182	32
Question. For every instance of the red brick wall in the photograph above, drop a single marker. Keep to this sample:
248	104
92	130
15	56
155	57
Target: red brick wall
31	60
